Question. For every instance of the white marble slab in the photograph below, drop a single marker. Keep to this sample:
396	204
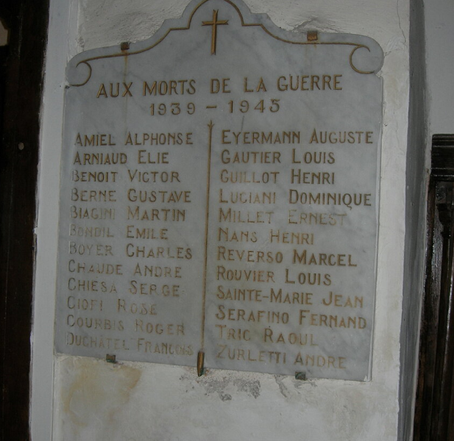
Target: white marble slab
220	195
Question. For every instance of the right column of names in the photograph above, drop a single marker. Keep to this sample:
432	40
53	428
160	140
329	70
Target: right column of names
292	232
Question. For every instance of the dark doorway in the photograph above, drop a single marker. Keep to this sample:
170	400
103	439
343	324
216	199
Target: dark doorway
21	75
434	416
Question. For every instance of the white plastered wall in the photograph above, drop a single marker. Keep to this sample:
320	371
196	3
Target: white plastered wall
440	65
84	399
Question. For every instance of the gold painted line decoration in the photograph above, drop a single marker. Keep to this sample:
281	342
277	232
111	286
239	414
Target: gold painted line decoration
124	53
200	363
207	219
305	43
214	27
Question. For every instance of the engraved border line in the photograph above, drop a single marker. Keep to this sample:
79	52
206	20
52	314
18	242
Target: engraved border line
260	25
306	43
207	218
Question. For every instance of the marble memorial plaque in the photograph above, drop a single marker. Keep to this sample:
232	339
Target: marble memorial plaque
219	197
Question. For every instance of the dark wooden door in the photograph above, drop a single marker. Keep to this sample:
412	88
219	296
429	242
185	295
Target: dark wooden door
21	75
434	415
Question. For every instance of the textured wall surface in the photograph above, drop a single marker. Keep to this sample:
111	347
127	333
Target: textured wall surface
417	179
439	33
138	401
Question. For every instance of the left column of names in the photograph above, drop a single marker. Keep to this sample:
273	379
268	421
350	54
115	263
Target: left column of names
131	242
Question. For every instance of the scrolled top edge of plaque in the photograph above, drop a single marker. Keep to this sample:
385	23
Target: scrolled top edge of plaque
79	70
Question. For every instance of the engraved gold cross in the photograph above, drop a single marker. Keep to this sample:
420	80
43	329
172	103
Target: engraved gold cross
214	26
